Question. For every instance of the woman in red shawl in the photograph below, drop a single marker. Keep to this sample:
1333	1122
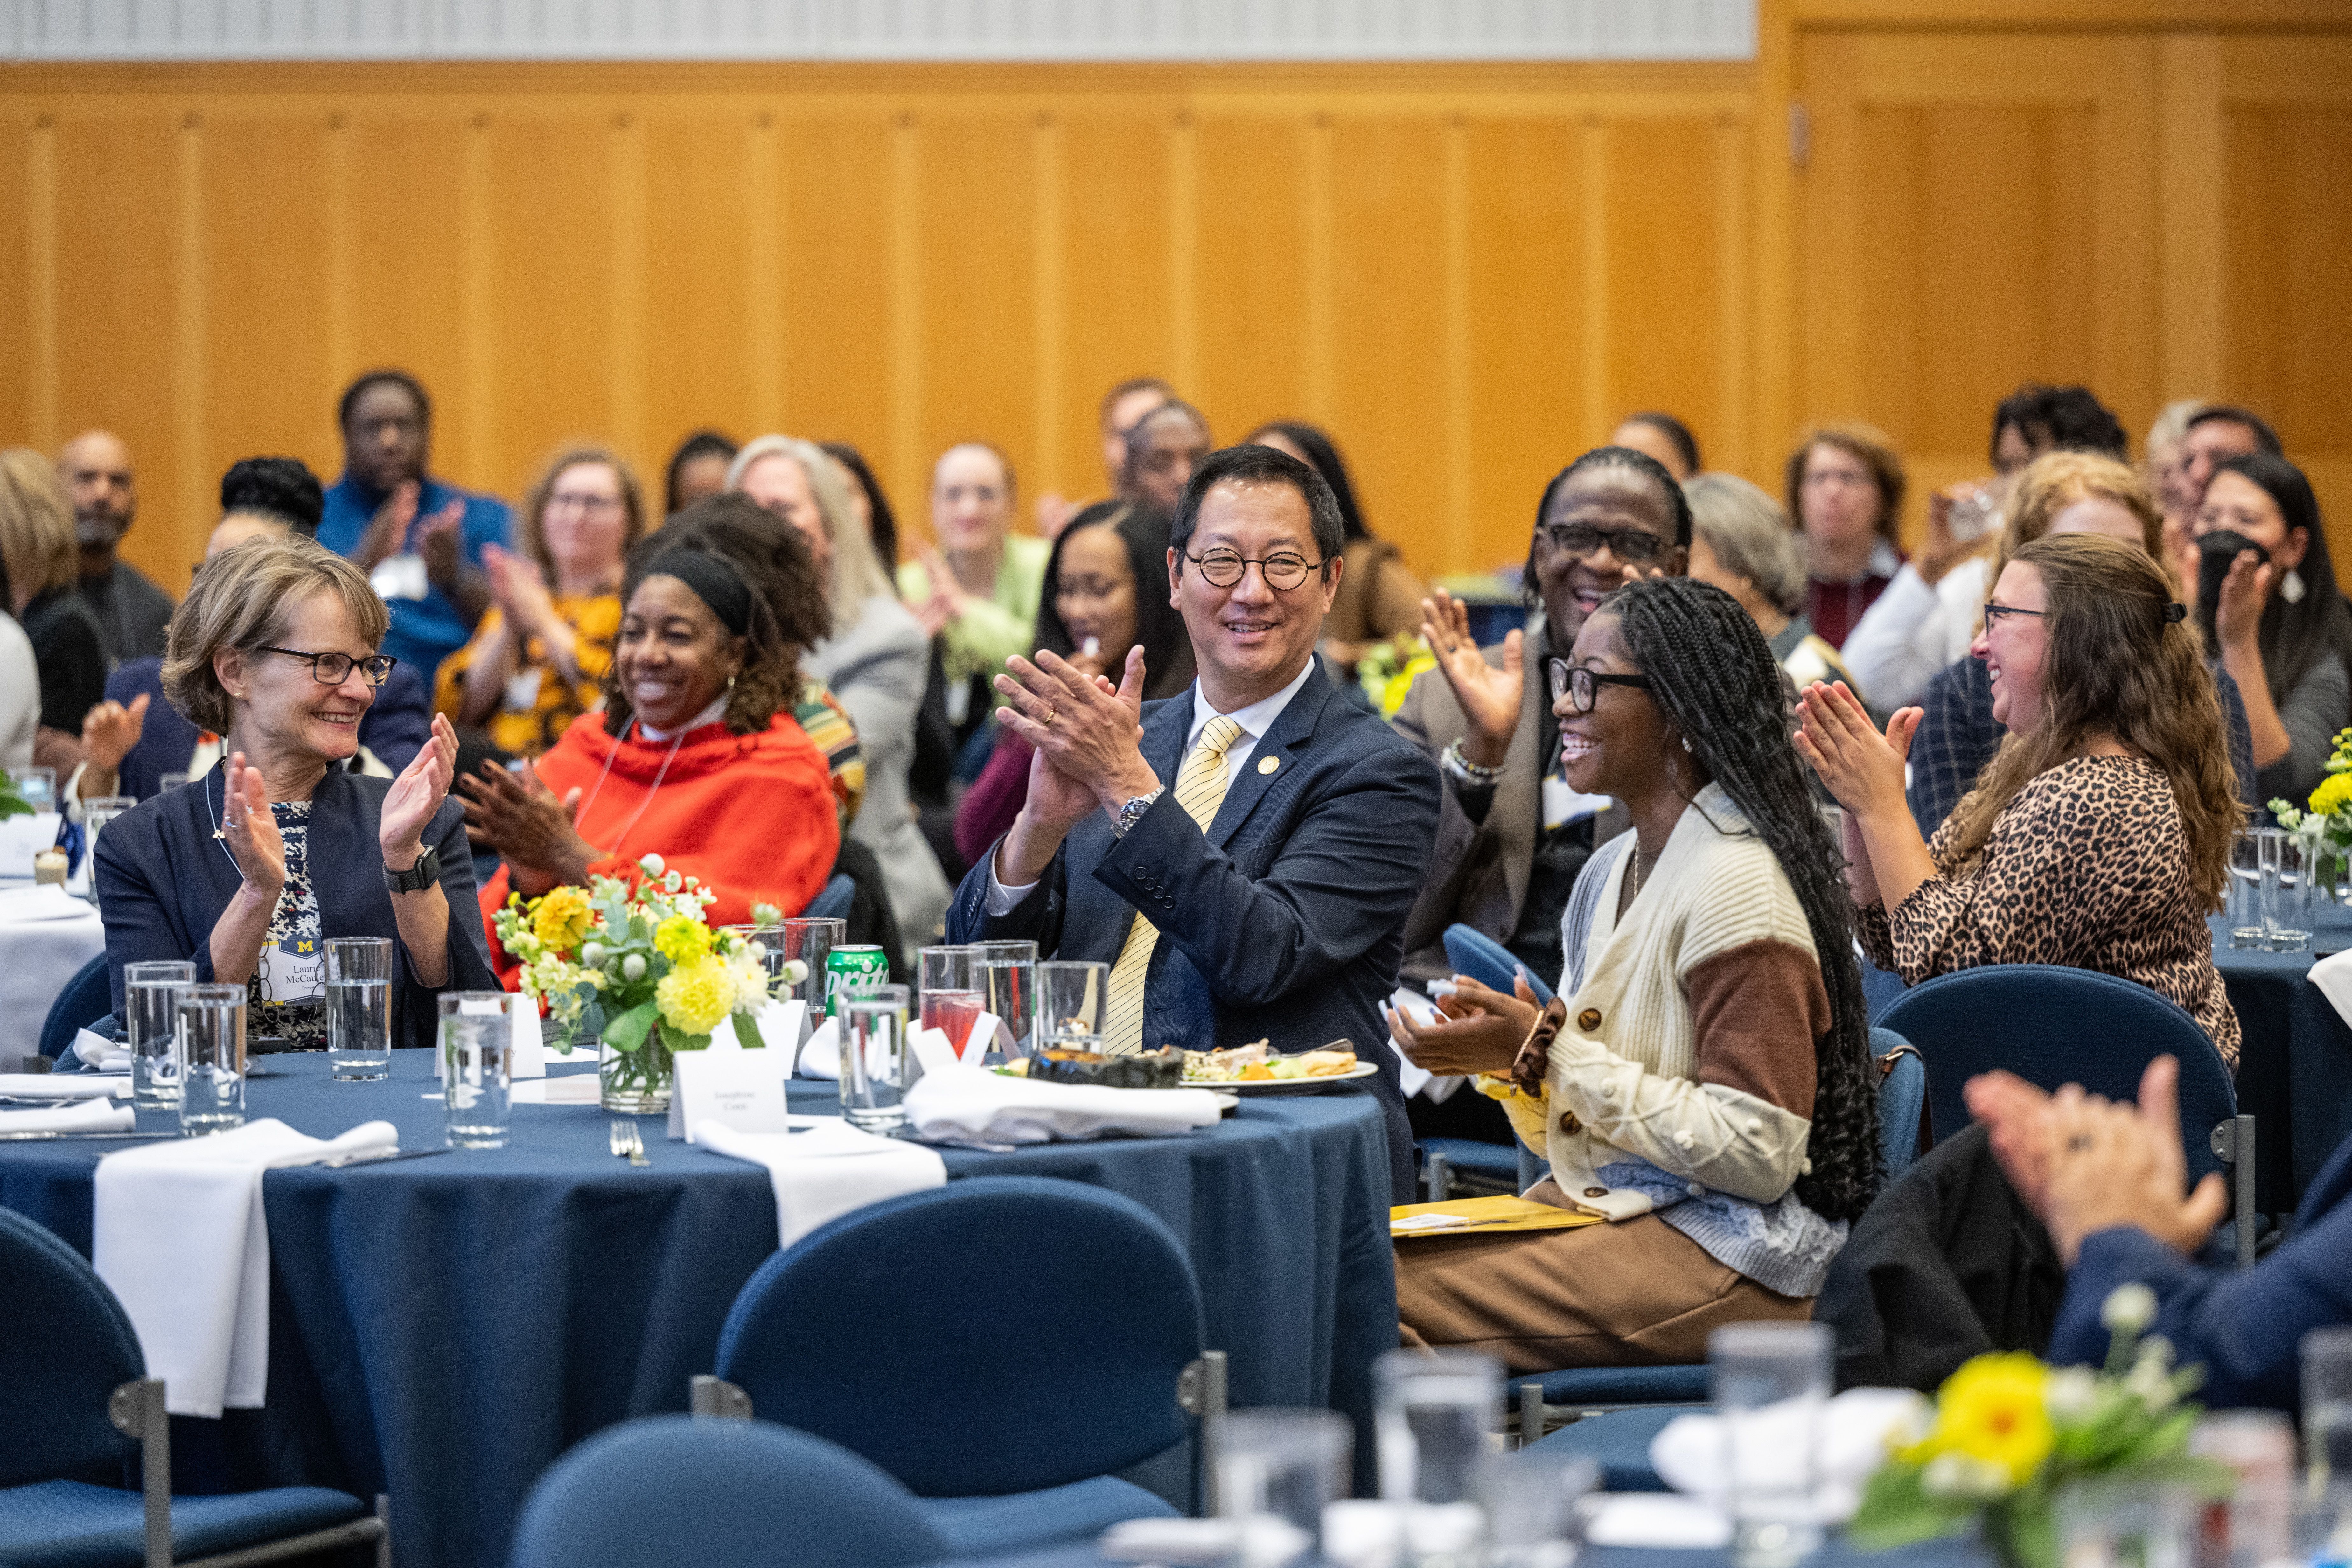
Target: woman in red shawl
696	756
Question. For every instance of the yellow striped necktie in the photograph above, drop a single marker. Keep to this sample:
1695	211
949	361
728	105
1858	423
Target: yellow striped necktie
1200	790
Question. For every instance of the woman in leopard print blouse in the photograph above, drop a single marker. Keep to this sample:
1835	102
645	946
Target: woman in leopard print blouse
2098	837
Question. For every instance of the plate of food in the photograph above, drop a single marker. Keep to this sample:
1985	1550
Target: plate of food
1259	1069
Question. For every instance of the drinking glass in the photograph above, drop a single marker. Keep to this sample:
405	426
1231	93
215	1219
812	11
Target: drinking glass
1071	997
212	1059
37	785
149	1016
1769	1382
2245	907
875	1061
2253	1526
950	994
1531	1499
1282	1466
1008	987
810	941
768	941
2287	890
166	783
1430	1414
95	814
476	1047
2327	1405
2120	1525
359	1007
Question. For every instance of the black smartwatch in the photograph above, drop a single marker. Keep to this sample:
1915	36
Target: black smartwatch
417	878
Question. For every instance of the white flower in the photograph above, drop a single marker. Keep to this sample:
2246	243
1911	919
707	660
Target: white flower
593	954
632	968
650	864
2158	1349
1963	1477
2070	1393
2151	1384
751	973
2128	1309
671	883
795	971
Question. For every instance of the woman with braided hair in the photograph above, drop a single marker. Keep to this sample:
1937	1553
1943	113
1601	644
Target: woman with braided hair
1702	1082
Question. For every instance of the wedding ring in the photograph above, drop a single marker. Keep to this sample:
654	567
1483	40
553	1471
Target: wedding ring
1049	716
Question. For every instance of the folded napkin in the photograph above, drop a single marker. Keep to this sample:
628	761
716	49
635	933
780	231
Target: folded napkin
823	1168
821	1057
180	1237
1844	1440
99	1054
962	1104
62	1086
71	1116
1656	1518
42	901
2332	975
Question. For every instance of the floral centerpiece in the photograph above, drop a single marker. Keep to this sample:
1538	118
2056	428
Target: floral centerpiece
640	972
1387	668
2009	1433
2325	823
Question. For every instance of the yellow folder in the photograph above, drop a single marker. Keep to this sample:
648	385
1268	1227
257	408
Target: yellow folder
1477	1216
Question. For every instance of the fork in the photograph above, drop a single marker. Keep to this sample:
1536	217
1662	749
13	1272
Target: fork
623	1135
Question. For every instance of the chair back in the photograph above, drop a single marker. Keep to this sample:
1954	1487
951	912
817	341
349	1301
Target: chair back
2052	1025
718	1494
86	999
1473	953
1902	1098
72	1347
1036	1330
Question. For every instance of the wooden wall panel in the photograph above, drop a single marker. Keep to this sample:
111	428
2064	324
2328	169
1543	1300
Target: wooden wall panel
837	265
1254	294
19	372
1116	267
711	196
2287	240
1659	312
396	186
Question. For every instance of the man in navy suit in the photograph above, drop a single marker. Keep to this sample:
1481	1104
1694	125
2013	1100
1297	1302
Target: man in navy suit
1271	836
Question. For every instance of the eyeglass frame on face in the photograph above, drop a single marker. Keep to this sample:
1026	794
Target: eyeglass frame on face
1582	686
573	501
1264	568
1649	546
367	667
1994	610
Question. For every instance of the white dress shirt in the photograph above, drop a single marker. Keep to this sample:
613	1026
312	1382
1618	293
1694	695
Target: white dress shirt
1254	720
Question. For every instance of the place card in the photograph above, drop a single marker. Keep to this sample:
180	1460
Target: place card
781	1024
986	1029
528	1056
931	1049
21	838
739	1089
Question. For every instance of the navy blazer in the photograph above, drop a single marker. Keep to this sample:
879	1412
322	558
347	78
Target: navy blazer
1284	920
163	880
395	726
2244	1326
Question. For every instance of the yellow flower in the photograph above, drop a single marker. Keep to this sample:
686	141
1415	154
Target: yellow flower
1992	1411
681	939
2334	794
562	919
694	996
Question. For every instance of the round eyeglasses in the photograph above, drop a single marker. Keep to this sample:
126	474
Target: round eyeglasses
334	669
1283	571
1582	687
1625	543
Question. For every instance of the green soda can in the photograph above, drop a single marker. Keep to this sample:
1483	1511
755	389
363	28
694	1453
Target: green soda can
851	971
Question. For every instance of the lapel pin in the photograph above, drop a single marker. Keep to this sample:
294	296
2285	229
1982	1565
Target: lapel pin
1267	764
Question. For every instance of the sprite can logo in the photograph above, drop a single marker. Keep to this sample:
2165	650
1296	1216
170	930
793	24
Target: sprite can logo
853	971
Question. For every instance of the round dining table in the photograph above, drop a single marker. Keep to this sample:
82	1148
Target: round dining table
2294	1066
445	1324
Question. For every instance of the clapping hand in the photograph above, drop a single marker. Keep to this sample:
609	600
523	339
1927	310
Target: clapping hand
1489	696
947	600
1084	728
109	731
439	541
1479	1029
2238	617
387	532
516	814
249	828
1861	768
415	796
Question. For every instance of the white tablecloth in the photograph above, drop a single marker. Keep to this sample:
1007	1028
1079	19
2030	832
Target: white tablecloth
45	935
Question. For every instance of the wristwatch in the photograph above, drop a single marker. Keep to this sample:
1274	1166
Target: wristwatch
417	878
1132	811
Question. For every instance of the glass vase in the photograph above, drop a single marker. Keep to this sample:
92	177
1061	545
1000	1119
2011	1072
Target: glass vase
639	1082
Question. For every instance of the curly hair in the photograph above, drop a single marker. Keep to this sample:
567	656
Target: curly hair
1712	675
789	614
1678	509
2117	664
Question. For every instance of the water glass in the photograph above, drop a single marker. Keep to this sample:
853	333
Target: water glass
1008	987
1432	1413
1770	1381
95	814
2327	1405
2244	911
359	1007
211	1037
1284	1467
37	785
477	1049
150	1017
2119	1525
876	1067
1071	1000
2253	1527
768	941
949	993
810	941
2287	890
1532	1498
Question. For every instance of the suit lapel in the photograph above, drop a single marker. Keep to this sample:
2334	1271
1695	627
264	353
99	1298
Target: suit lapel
1290	729
1165	725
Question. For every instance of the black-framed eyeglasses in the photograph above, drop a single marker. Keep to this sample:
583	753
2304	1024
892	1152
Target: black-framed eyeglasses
1582	687
1625	543
334	669
1283	570
1995	609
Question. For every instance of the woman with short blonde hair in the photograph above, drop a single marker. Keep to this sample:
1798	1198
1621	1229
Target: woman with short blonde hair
39	566
1741	542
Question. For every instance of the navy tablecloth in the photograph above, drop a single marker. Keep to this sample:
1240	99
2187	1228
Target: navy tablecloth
2295	1073
443	1328
1835	1554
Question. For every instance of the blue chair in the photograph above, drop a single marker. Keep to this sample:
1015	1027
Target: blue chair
1620	1444
832	900
86	998
1488	961
1902	1098
720	1494
1001	1345
74	1406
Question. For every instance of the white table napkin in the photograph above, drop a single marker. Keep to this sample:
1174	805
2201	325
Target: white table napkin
821	1057
972	1105
36	902
2332	975
825	1168
99	1054
180	1237
46	936
71	1116
63	1086
1845	1444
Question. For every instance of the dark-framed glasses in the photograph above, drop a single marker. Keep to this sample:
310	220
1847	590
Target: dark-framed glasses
1283	570
1625	543
1995	610
1582	687
334	669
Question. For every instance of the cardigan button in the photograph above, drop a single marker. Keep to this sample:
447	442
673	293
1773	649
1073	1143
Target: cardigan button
1589	1020
1569	1123
1596	1191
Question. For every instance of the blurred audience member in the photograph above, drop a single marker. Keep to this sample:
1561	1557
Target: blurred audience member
977	590
39	561
697	468
1845	490
1163	447
20	688
2167	469
868	501
1122	406
1663	437
1379	596
1741	542
131	611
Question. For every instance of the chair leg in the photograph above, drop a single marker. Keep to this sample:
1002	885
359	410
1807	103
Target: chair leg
1438	1177
1201	1390
1531	1414
383	1541
2241	1178
137	1411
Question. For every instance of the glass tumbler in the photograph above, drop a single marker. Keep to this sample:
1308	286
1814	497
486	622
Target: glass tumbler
2244	911
950	994
212	1059
1531	1499
1071	998
1431	1416
37	785
2327	1405
1282	1466
477	1048
810	941
1008	988
359	1007
2287	890
150	1017
95	814
876	1067
1769	1382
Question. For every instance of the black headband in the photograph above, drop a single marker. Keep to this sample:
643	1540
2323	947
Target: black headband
2175	612
712	583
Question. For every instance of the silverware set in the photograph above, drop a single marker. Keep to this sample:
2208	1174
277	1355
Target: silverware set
621	1134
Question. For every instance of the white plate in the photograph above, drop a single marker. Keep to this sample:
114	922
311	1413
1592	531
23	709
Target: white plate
1284	1085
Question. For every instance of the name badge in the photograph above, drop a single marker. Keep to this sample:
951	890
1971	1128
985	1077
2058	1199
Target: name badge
293	971
400	577
1562	806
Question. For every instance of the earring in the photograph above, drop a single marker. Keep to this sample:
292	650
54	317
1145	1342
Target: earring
1686	745
2291	586
731	683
